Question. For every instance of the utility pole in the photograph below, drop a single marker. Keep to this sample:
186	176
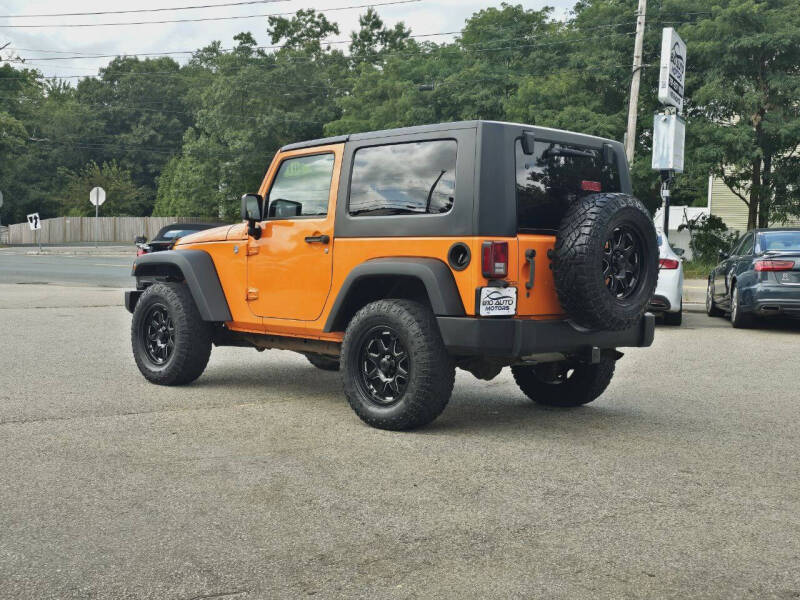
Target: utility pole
633	101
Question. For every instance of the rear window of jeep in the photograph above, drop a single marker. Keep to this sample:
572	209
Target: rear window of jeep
552	177
404	179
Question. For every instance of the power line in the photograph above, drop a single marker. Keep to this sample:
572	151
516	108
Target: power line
225	50
200	19
456	50
78	55
139	10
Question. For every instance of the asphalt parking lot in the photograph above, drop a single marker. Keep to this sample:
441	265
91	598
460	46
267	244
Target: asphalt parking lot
258	481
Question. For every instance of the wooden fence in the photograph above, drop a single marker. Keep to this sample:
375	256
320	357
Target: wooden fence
67	230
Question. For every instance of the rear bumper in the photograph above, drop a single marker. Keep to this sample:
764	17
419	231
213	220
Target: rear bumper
778	307
515	338
772	300
660	303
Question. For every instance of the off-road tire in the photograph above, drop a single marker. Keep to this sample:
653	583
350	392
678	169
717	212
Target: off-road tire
430	369
578	257
712	310
192	335
674	319
739	319
585	384
321	361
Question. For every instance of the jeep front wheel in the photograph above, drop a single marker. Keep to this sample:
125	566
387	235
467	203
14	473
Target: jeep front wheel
171	342
396	371
564	385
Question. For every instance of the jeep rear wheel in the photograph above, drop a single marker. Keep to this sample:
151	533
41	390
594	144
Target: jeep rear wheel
606	261
396	371
171	342
562	384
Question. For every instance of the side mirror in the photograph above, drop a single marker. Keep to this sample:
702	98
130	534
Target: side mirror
251	212
284	209
140	239
528	142
723	255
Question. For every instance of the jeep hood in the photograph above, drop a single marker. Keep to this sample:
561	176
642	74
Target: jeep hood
217	234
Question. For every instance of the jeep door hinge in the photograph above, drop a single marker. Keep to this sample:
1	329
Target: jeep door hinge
252	294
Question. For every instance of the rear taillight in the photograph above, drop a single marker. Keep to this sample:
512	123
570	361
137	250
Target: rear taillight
139	252
668	263
774	265
591	186
494	259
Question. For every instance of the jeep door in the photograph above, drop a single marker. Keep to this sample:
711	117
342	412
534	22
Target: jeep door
289	267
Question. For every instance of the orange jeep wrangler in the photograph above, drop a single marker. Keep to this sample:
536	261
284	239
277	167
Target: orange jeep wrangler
396	256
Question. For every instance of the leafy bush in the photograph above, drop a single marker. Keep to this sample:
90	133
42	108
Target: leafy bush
709	235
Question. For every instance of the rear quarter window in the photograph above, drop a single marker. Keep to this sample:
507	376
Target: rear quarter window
554	176
413	178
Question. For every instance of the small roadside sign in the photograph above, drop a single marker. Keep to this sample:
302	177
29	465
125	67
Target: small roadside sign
97	196
672	72
34	222
1	199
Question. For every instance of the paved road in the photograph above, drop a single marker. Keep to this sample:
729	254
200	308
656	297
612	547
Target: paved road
258	481
18	266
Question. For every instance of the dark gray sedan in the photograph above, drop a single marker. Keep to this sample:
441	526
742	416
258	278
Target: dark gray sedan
759	277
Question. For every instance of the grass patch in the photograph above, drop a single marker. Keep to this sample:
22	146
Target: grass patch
696	270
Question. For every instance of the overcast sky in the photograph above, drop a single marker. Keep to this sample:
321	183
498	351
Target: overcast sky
426	16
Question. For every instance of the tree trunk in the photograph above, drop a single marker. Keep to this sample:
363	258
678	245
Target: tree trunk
766	193
755	194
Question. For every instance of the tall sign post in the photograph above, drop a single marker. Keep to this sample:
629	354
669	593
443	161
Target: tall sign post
97	196
1	205
35	223
669	127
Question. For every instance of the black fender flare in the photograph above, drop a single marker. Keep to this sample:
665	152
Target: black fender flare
200	274
434	274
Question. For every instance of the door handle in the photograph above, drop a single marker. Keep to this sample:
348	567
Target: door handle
318	239
530	256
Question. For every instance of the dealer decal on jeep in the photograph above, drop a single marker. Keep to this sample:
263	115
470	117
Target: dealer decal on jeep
498	301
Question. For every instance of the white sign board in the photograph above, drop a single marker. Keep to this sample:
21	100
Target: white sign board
669	132
33	221
672	73
97	196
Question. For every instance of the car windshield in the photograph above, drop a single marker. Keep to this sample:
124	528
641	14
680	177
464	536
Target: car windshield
175	233
780	241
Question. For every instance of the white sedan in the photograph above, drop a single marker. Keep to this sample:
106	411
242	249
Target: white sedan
668	298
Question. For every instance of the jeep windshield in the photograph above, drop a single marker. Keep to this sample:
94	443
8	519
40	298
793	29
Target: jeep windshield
552	177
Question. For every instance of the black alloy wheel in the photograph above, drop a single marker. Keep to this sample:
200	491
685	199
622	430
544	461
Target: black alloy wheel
158	333
384	366
171	341
395	369
622	262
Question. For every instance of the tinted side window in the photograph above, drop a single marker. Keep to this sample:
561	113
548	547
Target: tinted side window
554	176
301	187
404	179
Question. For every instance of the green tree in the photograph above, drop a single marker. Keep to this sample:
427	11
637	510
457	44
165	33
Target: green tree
123	197
745	86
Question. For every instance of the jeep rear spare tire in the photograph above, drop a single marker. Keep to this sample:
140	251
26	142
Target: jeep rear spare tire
605	263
